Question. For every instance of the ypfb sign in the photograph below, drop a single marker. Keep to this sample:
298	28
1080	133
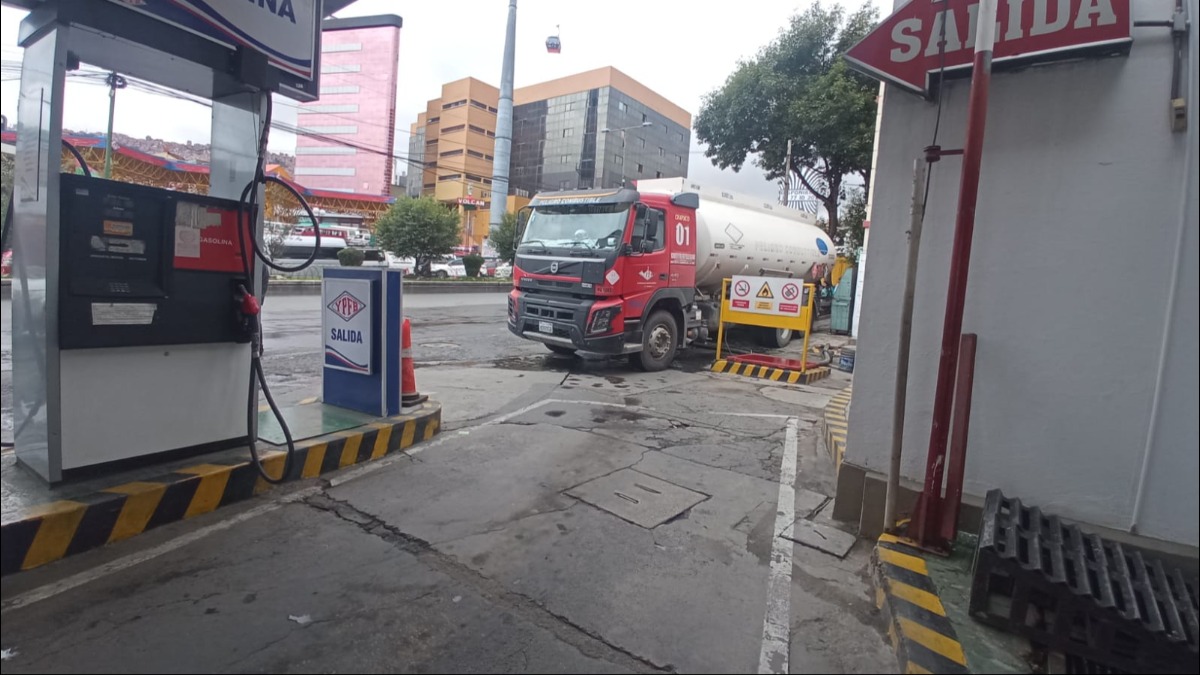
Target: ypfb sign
905	48
285	31
347	324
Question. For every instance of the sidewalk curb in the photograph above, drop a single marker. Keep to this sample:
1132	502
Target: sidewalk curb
837	422
48	532
921	633
769	373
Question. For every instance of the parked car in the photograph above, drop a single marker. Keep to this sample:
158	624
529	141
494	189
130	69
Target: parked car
406	265
503	271
448	267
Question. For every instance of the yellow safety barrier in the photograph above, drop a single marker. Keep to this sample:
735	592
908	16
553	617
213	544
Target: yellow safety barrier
766	302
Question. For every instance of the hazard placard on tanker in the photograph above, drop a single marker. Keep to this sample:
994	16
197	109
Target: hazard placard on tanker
768	295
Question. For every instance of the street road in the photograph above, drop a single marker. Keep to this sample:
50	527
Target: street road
483	550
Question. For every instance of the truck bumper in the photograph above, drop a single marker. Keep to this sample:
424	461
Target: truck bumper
560	321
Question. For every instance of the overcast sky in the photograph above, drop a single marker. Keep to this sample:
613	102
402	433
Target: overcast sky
671	46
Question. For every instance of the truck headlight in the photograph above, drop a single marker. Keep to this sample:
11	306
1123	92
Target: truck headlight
601	321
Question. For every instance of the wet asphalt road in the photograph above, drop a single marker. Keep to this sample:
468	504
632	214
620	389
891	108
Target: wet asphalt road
490	548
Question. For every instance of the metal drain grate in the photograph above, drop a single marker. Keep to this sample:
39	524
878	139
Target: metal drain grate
1088	597
637	497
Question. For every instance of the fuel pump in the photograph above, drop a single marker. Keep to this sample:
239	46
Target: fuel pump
136	310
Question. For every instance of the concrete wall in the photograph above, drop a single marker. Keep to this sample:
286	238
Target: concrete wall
1083	290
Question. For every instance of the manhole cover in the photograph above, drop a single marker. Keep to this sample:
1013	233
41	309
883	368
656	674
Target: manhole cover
637	497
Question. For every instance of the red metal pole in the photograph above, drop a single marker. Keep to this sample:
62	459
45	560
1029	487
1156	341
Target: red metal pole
926	518
956	466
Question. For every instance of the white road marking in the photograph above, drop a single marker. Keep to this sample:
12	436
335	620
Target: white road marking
63	585
753	415
776	624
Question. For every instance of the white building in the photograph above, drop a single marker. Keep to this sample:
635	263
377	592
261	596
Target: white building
1083	291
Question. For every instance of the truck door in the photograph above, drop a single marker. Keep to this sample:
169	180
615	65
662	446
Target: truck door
648	266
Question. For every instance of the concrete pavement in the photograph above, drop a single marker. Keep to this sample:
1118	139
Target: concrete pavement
488	550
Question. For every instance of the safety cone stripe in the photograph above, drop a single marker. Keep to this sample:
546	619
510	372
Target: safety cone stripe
48	532
769	373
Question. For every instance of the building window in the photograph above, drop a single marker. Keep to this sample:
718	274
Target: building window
451	153
326	150
454	104
644	118
342	47
473	153
679	160
449	177
335	129
488	157
622	106
431	164
618	160
640	169
564	159
456	127
568	132
658	174
432	120
480	130
324	171
662	153
313	108
340	89
680	137
429	186
641	142
331	68
565	185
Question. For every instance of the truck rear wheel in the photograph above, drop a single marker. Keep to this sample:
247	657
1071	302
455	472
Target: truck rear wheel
775	338
660	341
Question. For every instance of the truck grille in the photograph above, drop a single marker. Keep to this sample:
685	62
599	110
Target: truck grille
550	313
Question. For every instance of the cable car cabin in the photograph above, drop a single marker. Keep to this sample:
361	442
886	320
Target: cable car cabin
553	44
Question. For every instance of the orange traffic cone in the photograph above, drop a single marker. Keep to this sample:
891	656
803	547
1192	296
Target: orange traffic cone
408	377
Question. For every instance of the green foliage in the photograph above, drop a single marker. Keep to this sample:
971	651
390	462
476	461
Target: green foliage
850	224
799	88
422	229
503	237
351	257
473	263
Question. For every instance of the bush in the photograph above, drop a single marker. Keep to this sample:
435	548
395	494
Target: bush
473	263
351	257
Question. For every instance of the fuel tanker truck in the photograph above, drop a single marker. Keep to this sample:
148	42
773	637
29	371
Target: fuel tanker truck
638	271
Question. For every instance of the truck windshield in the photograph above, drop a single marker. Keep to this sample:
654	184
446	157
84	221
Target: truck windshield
596	226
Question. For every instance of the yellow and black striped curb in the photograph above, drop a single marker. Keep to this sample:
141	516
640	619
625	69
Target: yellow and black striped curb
837	422
45	533
769	373
918	627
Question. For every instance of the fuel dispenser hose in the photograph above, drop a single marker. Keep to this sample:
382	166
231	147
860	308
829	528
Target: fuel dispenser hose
250	305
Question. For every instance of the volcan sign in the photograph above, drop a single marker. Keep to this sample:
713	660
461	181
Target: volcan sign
346	322
904	49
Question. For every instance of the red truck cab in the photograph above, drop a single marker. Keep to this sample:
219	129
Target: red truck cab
608	272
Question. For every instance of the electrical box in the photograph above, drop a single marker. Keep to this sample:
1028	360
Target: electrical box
145	266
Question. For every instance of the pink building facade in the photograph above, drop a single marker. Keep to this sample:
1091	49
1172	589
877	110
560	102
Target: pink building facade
346	136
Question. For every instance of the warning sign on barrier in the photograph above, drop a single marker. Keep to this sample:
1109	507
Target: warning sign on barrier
780	297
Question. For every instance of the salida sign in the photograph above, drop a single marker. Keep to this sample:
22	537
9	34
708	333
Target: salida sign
347	324
904	49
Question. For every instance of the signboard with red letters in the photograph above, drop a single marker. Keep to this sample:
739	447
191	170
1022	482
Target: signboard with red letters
905	48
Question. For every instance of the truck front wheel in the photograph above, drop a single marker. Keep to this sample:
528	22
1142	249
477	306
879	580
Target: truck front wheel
660	341
776	338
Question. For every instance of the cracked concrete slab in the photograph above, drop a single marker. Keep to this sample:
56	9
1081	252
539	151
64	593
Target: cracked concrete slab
475	393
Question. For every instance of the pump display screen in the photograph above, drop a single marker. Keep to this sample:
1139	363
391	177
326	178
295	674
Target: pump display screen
113	241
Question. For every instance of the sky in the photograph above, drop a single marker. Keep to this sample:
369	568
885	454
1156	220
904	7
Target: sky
671	46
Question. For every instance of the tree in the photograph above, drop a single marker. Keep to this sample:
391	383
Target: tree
850	224
504	238
421	229
799	88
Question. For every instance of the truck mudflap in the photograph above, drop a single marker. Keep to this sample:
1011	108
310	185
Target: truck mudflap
561	321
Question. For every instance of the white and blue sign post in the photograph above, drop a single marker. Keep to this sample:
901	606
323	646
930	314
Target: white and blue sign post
360	323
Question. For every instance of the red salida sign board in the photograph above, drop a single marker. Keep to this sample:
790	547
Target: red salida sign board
904	48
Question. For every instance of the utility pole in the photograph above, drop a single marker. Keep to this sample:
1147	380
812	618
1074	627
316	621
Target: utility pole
115	82
504	123
926	518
